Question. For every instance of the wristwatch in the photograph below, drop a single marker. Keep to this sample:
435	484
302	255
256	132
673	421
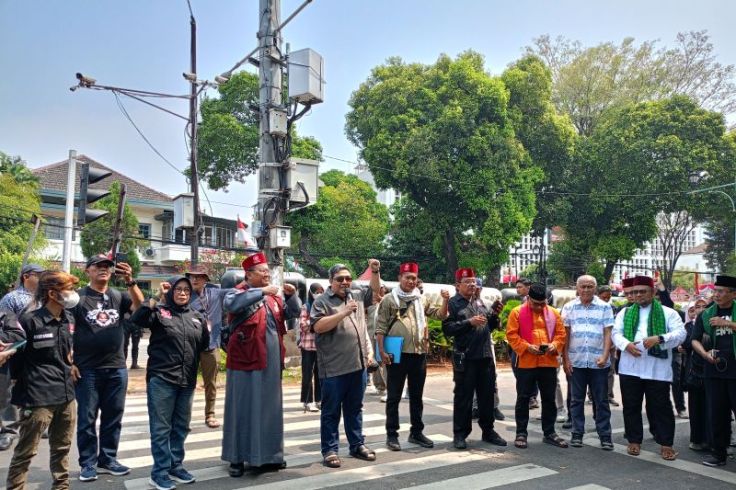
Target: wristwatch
131	283
661	339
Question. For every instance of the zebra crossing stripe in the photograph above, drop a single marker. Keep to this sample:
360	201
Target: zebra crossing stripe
374	471
589	486
292	460
490	479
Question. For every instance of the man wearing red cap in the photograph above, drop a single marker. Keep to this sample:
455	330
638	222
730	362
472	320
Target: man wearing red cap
645	332
403	313
473	368
253	429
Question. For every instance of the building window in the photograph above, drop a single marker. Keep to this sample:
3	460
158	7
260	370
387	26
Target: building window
167	231
144	230
54	228
225	237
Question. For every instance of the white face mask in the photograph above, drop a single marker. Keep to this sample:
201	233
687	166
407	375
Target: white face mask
69	299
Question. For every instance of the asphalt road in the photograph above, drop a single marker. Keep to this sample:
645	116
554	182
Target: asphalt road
483	466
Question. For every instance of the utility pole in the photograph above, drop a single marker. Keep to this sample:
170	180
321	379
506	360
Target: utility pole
270	199
194	171
71	178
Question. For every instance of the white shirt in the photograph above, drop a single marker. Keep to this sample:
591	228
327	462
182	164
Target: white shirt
646	366
586	326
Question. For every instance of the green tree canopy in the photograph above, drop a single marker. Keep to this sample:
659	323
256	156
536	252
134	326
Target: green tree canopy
97	236
346	225
442	135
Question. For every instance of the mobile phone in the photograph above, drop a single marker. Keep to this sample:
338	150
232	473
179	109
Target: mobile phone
121	257
543	348
17	345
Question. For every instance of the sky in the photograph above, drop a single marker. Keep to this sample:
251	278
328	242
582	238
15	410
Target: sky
145	45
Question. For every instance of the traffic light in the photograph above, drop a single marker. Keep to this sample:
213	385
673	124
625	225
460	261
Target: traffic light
89	175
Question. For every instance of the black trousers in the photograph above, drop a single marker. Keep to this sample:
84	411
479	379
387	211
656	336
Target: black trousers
134	339
721	395
699	416
527	380
479	377
659	409
311	390
677	394
413	367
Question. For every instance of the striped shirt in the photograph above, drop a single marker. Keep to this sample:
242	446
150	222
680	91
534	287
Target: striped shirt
585	324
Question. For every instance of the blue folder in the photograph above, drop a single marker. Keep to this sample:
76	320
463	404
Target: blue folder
391	345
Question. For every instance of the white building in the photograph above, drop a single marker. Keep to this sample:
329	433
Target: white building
386	197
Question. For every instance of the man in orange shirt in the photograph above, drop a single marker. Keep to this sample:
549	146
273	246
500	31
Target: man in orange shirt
537	336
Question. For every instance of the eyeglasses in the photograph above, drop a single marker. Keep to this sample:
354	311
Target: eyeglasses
342	279
468	283
264	271
183	290
639	292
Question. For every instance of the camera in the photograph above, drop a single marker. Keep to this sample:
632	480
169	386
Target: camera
543	348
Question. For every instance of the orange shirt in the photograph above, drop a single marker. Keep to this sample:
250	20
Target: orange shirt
525	359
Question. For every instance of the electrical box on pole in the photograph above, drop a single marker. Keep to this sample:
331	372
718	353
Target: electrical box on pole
89	175
184	211
280	236
303	180
306	76
277	122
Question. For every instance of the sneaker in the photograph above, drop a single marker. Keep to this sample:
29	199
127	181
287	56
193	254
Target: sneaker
561	417
492	437
161	483
181	475
421	440
114	469
6	440
613	402
392	442
682	414
606	444
88	473
712	461
383	399
371	390
459	443
576	440
498	414
312	407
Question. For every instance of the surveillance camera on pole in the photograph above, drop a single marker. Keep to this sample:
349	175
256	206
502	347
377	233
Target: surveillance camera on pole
85	81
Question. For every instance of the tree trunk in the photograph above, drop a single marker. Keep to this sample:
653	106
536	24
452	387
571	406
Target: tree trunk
608	270
450	255
311	261
494	277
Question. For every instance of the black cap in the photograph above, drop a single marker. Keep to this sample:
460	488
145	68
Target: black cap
98	259
726	281
28	268
538	292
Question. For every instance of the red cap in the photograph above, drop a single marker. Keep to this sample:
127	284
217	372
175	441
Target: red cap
460	274
254	260
643	281
412	267
627	282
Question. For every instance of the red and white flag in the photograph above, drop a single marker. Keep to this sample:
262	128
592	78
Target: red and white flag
242	236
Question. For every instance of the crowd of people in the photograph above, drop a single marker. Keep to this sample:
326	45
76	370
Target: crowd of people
64	353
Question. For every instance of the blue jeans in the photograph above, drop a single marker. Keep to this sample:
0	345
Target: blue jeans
100	392
169	414
597	379
344	392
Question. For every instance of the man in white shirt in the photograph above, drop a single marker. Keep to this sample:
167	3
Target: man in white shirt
646	332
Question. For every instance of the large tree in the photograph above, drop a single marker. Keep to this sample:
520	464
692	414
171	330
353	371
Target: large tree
19	201
346	225
227	141
97	236
443	136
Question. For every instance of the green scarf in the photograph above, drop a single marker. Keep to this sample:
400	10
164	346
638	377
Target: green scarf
709	313
657	323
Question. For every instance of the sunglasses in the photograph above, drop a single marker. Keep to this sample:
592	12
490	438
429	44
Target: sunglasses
342	279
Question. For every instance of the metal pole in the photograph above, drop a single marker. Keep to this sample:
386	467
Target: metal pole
194	172
71	177
269	188
36	224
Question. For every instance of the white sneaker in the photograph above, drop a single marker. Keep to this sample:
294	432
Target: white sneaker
371	390
312	407
561	417
383	398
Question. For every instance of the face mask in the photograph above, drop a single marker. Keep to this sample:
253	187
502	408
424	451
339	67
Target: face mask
70	299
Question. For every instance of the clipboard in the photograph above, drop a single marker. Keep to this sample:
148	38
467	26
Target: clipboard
391	346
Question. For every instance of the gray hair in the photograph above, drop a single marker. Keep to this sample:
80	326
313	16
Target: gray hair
586	277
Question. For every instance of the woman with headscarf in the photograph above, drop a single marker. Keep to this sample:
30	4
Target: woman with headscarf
311	393
44	387
692	381
178	335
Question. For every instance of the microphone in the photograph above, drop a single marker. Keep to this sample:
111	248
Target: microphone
348	295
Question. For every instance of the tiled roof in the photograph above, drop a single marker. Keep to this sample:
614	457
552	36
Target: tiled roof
698	249
54	177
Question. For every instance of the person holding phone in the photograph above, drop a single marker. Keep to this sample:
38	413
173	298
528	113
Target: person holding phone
474	371
44	388
99	361
645	332
537	336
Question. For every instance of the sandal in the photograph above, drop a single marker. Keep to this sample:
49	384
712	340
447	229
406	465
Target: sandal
634	449
212	423
555	440
520	442
668	453
332	460
362	452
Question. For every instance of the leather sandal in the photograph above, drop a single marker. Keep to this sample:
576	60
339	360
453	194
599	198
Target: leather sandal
520	442
555	440
332	460
668	453
362	452
212	423
634	449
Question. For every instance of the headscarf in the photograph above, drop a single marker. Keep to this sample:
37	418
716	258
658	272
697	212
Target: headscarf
170	304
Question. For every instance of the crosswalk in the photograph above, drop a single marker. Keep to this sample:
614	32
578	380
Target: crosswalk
441	467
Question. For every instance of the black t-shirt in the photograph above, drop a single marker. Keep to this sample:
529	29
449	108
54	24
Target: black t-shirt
99	332
722	341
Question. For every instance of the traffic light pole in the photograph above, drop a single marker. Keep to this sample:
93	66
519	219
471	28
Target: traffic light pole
270	199
66	255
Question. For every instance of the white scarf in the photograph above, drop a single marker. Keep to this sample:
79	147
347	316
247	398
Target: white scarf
415	298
